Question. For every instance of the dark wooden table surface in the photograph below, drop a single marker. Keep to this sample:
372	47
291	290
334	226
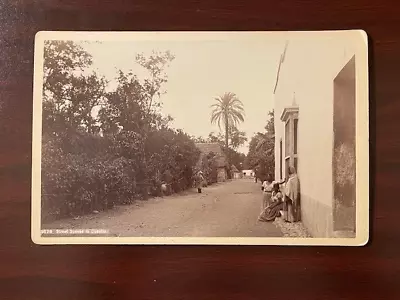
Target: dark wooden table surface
28	271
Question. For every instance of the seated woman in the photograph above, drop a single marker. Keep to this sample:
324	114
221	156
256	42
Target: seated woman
272	211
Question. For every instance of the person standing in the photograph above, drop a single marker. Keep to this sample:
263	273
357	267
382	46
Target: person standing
267	187
168	179
292	197
199	181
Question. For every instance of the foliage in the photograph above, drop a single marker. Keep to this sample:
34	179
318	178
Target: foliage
261	156
236	138
102	148
155	64
209	167
171	150
81	177
236	158
69	96
228	110
212	138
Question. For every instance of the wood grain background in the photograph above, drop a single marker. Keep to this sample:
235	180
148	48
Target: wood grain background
28	271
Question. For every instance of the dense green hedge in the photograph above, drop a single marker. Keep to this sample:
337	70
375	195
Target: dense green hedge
95	175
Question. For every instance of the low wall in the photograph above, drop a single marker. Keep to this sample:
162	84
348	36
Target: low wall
316	217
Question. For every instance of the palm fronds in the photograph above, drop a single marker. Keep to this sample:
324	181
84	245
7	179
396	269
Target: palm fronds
228	110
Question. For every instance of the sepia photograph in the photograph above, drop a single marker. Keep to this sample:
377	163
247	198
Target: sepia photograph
230	138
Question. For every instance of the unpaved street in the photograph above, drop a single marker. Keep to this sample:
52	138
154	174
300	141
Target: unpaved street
223	210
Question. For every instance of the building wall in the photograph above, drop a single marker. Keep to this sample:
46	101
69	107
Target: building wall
248	172
237	175
306	80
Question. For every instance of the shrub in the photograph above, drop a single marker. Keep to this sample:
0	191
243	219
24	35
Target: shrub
83	172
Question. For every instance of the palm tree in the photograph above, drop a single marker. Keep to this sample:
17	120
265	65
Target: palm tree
229	111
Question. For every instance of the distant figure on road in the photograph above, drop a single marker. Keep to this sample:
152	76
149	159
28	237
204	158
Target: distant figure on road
164	188
167	180
199	180
272	211
292	197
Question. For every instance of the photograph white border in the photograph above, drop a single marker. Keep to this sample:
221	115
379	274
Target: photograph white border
360	40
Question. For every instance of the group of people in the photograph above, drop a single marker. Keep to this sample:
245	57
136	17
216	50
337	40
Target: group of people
275	201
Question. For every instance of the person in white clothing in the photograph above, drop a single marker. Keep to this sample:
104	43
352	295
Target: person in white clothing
267	192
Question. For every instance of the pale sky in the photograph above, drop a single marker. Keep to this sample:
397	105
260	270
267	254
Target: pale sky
201	71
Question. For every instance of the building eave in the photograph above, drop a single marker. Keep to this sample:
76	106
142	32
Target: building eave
277	75
288	111
281	60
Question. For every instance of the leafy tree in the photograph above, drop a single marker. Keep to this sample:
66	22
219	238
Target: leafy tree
236	138
61	58
100	147
213	138
133	106
270	127
261	150
209	166
69	96
237	159
123	108
199	139
155	64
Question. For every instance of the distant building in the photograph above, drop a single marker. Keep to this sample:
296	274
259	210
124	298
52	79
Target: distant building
314	107
236	173
220	158
248	173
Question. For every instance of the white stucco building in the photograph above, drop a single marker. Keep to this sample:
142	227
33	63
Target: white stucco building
248	173
314	107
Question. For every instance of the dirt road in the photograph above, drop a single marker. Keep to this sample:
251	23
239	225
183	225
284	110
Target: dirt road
223	210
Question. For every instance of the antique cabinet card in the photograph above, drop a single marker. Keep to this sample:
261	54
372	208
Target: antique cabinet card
236	138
